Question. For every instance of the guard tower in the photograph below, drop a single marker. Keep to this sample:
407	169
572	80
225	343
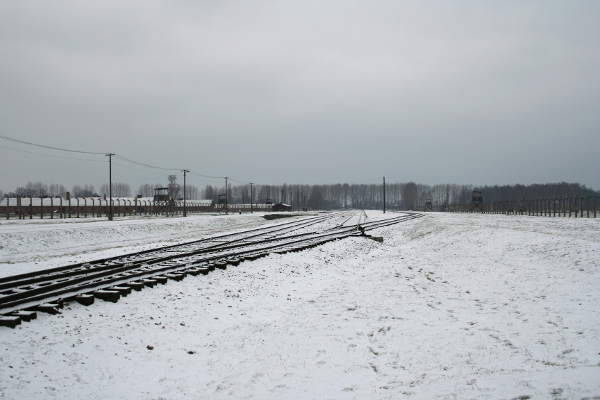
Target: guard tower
222	204
161	201
477	202
428	205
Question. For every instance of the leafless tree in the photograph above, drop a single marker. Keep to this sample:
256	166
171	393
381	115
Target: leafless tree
119	189
174	187
147	190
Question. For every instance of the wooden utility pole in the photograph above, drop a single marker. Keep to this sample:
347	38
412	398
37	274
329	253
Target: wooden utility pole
184	209
251	210
226	196
110	205
384	194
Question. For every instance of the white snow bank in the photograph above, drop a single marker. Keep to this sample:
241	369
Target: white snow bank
448	306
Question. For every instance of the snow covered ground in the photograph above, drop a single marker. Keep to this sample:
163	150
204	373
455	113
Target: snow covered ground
449	306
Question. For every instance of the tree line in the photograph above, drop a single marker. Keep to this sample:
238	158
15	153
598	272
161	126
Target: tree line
119	189
398	195
322	197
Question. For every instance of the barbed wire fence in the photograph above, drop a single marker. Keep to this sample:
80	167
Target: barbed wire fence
574	207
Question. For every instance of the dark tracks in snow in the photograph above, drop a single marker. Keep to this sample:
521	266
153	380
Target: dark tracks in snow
21	296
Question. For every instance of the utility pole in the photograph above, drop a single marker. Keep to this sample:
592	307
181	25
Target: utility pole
251	211
384	194
110	206
184	209
226	196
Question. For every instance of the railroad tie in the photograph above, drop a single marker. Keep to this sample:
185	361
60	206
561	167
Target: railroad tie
10	322
175	276
49	308
160	279
197	271
107	295
85	299
24	315
210	266
150	282
124	290
221	264
135	285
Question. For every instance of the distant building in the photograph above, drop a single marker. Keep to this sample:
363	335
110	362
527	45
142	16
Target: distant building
281	207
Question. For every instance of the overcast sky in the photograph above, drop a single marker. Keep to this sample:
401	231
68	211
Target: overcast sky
311	92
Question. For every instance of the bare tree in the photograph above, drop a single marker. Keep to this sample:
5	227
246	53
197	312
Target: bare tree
37	189
85	191
192	192
174	187
56	189
119	189
147	190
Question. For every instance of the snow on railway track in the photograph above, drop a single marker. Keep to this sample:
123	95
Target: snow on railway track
21	296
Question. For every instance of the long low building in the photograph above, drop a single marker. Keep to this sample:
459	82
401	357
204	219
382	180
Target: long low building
51	207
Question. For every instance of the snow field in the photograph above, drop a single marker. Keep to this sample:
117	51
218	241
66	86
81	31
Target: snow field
51	243
449	306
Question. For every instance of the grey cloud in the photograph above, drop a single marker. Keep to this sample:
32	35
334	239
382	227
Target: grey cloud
310	92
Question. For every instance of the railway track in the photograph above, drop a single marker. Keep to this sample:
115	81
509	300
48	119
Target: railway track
22	296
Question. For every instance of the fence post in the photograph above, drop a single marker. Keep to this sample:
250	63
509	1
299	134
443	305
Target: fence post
581	207
41	207
558	205
588	205
595	205
7	204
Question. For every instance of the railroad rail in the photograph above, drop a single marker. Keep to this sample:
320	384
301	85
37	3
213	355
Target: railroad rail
23	295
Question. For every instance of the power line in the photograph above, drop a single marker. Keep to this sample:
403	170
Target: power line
136	169
236	181
207	176
49	155
89	152
145	165
47	147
